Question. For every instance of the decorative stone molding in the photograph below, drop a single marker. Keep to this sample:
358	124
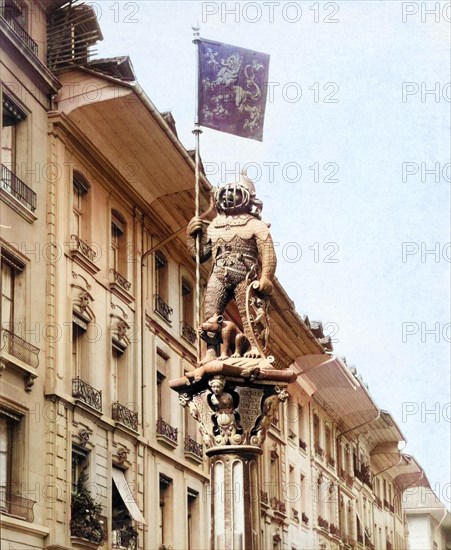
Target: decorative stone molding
119	333
82	300
83	436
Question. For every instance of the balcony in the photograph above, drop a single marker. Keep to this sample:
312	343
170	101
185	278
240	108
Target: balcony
120	286
124	539
21	32
305	519
330	461
334	530
348	541
323	523
295	514
386	505
16	505
319	451
87	394
162	308
193	448
19	355
125	416
166	433
121	280
18	189
302	445
188	333
278	505
83	254
20	349
349	480
379	503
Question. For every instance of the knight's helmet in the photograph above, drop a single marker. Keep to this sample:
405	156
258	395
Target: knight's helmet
238	197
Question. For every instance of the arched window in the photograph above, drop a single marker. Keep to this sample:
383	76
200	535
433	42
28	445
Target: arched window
118	242
80	187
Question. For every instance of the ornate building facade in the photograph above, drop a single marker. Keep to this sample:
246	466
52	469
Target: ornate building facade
97	316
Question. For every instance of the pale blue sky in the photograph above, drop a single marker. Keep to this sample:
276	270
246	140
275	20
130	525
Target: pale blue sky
367	215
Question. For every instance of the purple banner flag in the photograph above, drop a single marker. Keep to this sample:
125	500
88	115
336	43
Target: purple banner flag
232	89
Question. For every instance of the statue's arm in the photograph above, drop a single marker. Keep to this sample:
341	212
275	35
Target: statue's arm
198	227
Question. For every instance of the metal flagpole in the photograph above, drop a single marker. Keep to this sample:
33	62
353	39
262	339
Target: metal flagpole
197	131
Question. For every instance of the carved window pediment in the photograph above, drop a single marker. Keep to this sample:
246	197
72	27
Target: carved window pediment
119	334
82	301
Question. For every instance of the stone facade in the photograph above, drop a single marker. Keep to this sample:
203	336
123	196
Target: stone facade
98	315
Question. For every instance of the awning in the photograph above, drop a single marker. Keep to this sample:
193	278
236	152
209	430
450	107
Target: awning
337	386
126	495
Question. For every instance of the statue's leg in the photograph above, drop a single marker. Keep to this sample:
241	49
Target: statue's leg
217	294
240	298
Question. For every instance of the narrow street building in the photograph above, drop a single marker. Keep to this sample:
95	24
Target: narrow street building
98	314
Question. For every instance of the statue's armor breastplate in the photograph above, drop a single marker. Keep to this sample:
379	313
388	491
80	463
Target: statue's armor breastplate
238	255
234	244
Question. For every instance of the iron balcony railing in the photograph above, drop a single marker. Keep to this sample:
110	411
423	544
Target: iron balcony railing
189	333
163	428
16	505
19	348
125	416
18	189
80	246
162	308
121	280
86	393
193	447
20	31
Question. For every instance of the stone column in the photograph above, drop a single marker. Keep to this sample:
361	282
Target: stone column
234	402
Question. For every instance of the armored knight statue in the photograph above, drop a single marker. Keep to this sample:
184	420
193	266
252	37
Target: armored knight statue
244	264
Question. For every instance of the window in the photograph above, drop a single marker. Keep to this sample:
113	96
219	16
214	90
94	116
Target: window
292	417
162	398
125	511
80	359
187	302
14	10
12	131
118	242
165	519
161	275
6	428
11	457
12	306
80	188
79	464
193	542
274	475
317	436
13	153
342	516
329	446
120	376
